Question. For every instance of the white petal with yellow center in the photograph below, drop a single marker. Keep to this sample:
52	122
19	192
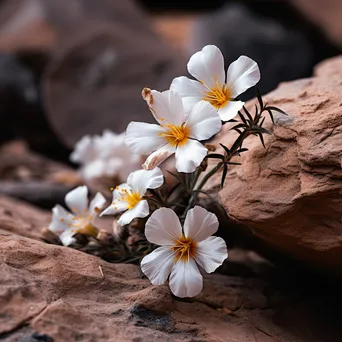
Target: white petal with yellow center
143	138
129	196
179	135
180	251
77	200
166	106
190	156
242	74
186	279
66	225
199	224
140	210
207	67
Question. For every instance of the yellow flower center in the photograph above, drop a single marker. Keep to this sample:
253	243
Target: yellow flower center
218	96
176	135
185	249
132	198
82	224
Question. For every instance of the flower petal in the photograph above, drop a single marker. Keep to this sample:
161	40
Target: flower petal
140	210
77	200
207	66
111	210
61	219
242	74
185	279
210	253
191	91
166	106
93	169
203	121
199	224
142	180
157	157
118	203
85	151
189	156
97	204
158	265
230	110
163	227
144	138
67	237
108	142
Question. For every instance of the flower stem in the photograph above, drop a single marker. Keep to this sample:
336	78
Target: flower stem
204	180
209	175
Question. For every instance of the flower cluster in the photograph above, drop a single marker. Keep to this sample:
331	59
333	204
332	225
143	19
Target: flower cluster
188	114
104	156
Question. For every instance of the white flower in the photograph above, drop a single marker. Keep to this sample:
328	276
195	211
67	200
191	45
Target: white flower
182	251
213	86
176	133
129	196
105	156
82	218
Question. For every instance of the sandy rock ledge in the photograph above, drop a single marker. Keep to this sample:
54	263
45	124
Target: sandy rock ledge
290	194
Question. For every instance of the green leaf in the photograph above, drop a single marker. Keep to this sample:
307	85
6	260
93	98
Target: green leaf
233	163
258	130
256	112
242	150
226	149
242	117
241	125
271	115
262	140
224	174
237	130
276	109
214	156
259	97
262	121
248	114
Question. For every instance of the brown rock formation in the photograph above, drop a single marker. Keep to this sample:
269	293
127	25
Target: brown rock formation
290	194
53	293
32	177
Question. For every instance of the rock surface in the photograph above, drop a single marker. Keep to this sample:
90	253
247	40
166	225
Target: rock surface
290	194
32	177
52	293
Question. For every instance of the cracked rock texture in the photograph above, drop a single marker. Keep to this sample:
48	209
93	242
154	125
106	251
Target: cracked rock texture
53	293
290	194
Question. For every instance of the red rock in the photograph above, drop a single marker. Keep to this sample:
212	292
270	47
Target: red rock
22	219
289	194
55	293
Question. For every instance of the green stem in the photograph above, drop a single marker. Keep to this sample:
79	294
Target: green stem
204	180
237	144
209	175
